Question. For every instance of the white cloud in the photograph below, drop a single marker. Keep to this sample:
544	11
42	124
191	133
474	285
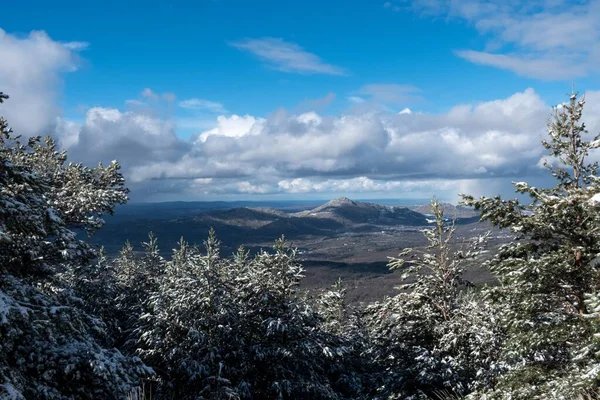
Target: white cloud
202	105
546	68
149	94
76	46
233	126
497	138
356	99
136	140
550	40
287	57
310	118
472	148
31	68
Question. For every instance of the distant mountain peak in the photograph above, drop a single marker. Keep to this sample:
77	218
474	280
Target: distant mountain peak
340	201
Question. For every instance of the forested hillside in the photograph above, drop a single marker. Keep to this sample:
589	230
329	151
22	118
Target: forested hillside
75	324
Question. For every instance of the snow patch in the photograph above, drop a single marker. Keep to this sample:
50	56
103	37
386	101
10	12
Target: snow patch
9	392
595	199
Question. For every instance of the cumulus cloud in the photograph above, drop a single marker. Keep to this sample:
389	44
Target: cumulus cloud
233	126
475	148
136	140
541	39
287	57
413	154
30	71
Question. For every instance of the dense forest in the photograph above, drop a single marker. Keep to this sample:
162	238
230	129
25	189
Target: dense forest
75	324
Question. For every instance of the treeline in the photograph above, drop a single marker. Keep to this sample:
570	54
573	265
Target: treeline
76	325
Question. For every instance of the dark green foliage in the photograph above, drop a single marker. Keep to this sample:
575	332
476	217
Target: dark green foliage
50	347
42	200
550	267
239	328
73	323
432	336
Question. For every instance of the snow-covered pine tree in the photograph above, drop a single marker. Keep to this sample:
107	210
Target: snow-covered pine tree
333	308
95	283
50	348
238	328
43	199
290	354
137	278
546	272
349	368
190	329
118	289
431	336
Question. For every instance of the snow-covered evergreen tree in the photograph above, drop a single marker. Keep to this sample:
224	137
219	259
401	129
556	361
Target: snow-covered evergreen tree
333	308
432	336
50	347
43	199
95	283
118	289
349	367
137	279
546	273
238	328
189	324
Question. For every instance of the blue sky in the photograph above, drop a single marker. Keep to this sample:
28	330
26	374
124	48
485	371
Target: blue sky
186	48
182	66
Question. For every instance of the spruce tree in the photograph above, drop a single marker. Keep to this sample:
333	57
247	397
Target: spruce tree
51	347
238	327
432	336
549	269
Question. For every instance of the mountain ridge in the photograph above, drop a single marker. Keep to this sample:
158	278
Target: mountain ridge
251	224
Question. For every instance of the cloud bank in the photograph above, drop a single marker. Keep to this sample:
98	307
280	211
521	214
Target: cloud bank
472	148
469	148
